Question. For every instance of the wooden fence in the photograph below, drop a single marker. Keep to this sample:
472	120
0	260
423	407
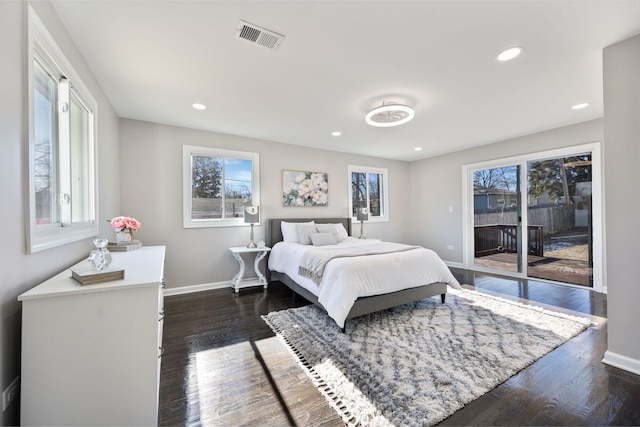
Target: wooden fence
554	219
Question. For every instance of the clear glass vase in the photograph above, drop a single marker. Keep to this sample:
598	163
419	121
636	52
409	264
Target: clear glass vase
100	257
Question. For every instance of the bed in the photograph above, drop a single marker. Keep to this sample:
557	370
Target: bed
358	298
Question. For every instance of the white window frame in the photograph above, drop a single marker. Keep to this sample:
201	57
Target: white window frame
187	152
42	45
384	212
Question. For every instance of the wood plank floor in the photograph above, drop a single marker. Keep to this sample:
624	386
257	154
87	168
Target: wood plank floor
223	366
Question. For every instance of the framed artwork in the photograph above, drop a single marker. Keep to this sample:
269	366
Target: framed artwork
305	188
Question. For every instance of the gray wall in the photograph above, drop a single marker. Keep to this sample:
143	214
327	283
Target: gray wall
151	190
18	271
621	154
438	180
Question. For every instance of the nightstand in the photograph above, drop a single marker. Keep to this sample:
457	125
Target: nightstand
237	282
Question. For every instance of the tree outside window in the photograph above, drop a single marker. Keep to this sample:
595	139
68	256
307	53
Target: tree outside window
368	189
218	184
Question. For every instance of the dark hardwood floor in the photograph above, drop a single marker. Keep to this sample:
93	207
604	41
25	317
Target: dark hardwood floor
223	366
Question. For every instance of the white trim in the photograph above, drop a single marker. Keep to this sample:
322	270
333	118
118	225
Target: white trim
181	290
384	217
190	150
189	289
454	264
623	362
597	206
40	43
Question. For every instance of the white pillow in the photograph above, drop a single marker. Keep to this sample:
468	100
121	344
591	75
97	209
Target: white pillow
342	232
289	230
304	231
321	239
328	228
337	229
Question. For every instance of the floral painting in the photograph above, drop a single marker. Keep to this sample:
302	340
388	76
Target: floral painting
305	188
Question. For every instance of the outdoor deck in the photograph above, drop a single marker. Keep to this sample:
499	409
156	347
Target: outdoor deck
561	270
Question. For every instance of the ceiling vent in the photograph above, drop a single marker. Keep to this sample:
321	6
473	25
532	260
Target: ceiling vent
259	35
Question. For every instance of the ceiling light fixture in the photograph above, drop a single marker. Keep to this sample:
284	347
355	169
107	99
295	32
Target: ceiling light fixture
580	106
417	149
509	54
336	133
388	115
199	106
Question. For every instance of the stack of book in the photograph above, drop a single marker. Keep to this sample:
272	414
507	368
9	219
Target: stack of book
86	275
131	245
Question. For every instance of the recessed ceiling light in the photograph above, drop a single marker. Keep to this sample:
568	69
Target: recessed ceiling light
510	53
336	133
417	149
199	106
580	106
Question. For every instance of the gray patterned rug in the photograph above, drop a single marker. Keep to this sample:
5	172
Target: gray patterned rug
419	363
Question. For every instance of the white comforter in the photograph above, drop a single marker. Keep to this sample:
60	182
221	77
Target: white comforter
347	279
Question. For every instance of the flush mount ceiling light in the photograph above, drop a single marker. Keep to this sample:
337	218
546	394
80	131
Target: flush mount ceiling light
389	114
509	54
198	106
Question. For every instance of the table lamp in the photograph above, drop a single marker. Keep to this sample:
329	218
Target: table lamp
362	214
251	216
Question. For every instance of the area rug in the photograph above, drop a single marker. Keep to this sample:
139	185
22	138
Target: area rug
417	364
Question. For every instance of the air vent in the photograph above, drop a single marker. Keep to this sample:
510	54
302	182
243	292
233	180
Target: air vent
259	35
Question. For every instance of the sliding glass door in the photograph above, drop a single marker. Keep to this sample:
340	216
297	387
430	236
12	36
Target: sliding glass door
534	217
560	205
497	236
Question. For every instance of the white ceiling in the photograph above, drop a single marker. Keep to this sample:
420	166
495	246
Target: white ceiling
153	59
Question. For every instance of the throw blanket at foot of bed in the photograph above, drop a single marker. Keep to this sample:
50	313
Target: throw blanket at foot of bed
313	262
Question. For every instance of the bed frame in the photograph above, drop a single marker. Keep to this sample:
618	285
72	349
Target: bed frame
363	305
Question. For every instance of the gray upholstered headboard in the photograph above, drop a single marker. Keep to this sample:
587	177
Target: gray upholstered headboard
274	232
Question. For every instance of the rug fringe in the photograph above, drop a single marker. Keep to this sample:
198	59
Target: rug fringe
329	394
533	307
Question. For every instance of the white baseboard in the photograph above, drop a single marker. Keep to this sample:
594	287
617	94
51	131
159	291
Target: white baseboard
181	290
622	362
196	288
454	264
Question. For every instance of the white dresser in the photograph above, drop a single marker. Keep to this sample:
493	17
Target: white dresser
91	354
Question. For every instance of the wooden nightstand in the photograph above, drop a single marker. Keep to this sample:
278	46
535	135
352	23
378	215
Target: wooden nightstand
238	282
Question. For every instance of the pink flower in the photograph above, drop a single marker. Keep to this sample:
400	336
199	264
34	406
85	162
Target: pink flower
124	222
132	223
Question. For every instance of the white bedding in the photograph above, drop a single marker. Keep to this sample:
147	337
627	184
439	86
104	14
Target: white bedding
347	279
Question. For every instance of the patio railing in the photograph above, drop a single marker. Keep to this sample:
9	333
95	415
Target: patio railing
495	238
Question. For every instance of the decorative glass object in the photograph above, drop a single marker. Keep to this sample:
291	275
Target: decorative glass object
100	257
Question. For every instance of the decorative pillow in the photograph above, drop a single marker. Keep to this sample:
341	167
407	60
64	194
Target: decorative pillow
342	232
304	231
328	228
337	229
289	230
321	239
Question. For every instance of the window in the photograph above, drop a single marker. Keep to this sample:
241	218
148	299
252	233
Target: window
62	117
218	184
369	189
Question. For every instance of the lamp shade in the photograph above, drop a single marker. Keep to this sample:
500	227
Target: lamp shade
362	214
251	214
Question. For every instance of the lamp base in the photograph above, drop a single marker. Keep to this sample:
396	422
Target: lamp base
251	244
361	233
